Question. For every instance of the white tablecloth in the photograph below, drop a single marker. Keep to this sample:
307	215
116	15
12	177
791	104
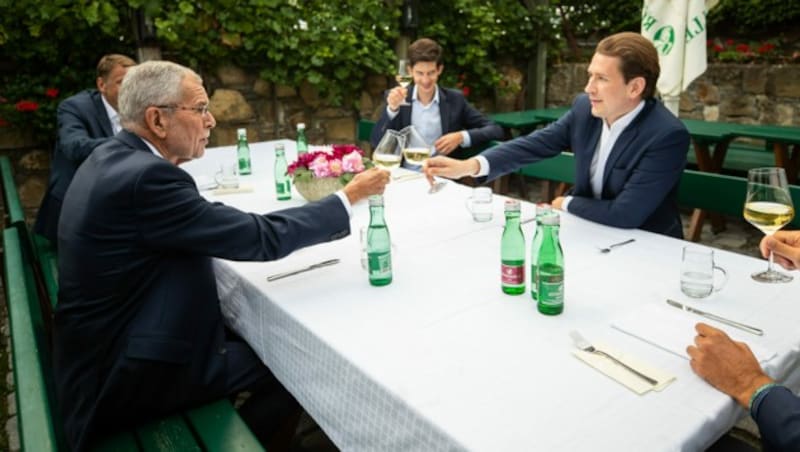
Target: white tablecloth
441	359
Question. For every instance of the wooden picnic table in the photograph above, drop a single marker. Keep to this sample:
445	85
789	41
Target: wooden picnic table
784	140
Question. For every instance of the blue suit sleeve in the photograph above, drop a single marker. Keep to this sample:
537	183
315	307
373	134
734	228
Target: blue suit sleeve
74	139
481	129
777	413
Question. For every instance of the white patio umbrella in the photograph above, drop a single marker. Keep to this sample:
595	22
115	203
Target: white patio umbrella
678	30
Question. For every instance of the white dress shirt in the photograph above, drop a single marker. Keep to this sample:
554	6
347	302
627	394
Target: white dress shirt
113	116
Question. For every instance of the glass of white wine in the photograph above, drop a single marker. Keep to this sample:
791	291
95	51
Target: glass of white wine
768	207
388	153
403	77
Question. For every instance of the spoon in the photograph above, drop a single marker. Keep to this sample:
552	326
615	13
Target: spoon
608	248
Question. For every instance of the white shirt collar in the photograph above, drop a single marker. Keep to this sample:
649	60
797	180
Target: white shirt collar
151	147
113	116
625	119
435	99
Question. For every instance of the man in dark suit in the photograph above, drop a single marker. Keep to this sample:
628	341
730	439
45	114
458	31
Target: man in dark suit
442	116
629	150
138	331
85	121
731	367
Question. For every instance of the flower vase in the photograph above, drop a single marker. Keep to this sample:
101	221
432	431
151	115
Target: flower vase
316	188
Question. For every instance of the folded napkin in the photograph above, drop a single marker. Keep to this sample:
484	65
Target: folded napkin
232	191
673	330
623	375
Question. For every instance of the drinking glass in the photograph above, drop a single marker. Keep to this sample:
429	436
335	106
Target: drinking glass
768	207
388	153
403	77
417	150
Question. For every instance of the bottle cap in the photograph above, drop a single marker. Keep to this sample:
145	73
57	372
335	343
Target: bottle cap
375	200
301	126
241	133
512	204
279	148
550	219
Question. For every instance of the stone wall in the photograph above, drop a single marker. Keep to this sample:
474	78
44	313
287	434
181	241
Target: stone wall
740	93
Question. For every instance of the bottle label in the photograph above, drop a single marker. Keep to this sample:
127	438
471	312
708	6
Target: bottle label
512	274
551	285
379	264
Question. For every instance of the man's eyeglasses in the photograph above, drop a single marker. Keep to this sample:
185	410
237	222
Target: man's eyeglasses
202	110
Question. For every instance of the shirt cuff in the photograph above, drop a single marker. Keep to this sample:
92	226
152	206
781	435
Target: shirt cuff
392	114
565	203
345	203
466	140
483	171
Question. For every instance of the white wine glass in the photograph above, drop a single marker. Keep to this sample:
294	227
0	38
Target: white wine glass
768	207
389	151
403	77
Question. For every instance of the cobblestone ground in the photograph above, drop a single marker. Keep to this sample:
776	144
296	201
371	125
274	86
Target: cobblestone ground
738	236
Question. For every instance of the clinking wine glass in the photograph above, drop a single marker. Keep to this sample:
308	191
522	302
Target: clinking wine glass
388	152
768	207
403	76
417	150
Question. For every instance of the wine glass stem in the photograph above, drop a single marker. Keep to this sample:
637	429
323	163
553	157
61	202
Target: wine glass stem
769	266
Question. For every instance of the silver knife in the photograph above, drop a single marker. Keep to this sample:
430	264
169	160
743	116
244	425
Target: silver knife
741	326
310	267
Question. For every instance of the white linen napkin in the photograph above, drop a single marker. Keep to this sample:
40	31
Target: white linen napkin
623	375
673	330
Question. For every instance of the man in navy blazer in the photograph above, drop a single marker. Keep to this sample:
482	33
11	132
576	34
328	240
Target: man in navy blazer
629	149
442	116
733	369
138	331
85	121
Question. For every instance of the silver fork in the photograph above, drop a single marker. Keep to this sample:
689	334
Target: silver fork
614	245
584	345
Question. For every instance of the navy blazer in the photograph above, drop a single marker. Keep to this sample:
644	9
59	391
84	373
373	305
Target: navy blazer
456	115
641	177
83	124
138	330
777	413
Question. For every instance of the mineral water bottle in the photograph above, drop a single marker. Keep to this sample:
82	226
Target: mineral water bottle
243	152
379	245
283	185
302	141
550	267
541	210
512	252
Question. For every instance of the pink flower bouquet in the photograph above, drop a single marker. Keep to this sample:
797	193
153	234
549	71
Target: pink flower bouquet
342	161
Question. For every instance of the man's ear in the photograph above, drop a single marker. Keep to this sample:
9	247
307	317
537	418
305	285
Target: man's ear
156	121
636	86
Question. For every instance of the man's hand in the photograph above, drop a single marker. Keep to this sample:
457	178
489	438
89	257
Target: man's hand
785	246
396	97
370	182
727	365
449	168
557	203
447	143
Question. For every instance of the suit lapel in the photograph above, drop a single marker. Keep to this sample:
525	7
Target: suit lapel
444	111
585	165
102	115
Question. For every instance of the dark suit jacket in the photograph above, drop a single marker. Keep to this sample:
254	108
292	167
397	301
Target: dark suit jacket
83	124
138	328
642	173
777	413
456	114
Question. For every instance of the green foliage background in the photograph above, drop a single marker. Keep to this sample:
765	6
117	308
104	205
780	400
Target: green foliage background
333	45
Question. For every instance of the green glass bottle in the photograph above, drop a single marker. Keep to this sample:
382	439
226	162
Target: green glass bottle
302	141
283	184
550	266
512	252
379	245
541	210
243	152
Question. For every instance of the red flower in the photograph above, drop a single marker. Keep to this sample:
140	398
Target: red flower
729	42
465	90
709	42
742	48
3	123
51	93
718	48
27	105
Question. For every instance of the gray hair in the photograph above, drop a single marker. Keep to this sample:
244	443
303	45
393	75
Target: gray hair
148	84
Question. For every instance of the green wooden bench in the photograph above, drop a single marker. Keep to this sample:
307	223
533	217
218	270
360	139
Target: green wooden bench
14	212
740	157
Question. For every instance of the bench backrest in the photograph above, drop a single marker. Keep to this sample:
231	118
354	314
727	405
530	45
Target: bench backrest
721	193
560	168
30	351
14	211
